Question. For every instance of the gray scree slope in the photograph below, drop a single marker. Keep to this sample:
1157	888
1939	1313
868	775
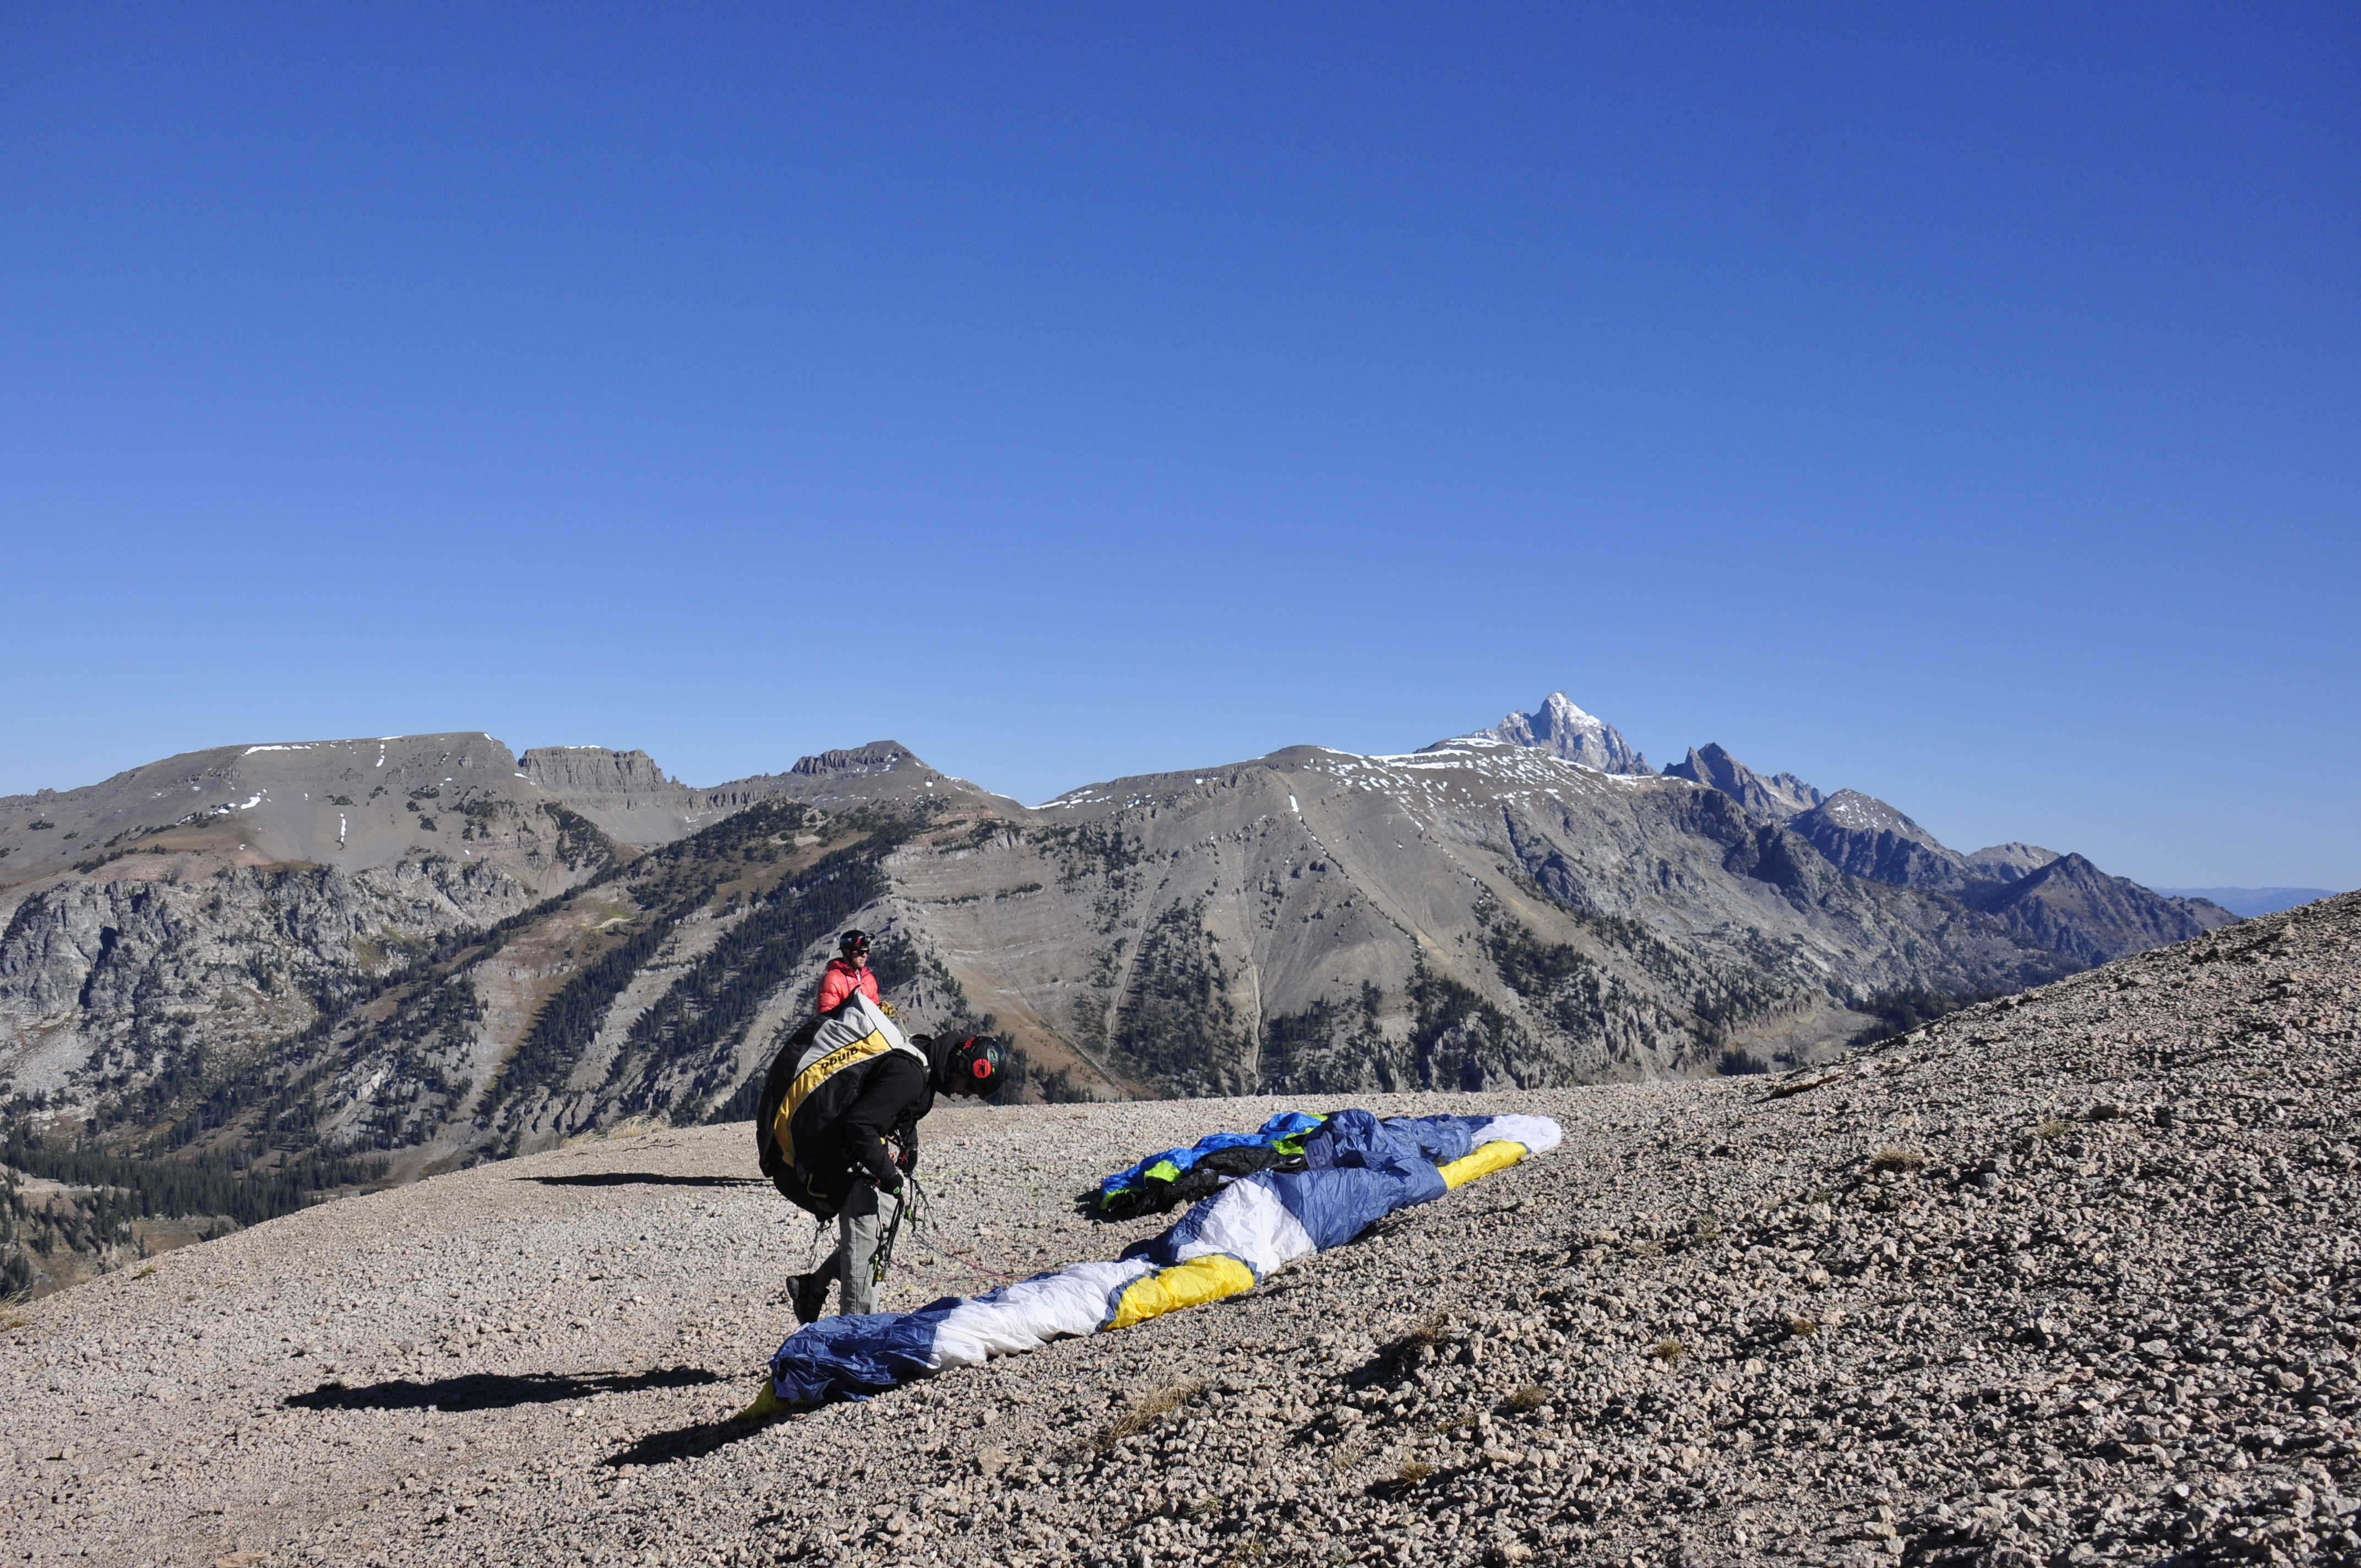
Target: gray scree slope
2064	1279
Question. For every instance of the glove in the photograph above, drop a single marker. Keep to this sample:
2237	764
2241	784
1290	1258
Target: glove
907	1160
888	1008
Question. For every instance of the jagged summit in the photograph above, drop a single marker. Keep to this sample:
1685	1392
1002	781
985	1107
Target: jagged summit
877	757
1864	837
1776	796
1562	730
1859	813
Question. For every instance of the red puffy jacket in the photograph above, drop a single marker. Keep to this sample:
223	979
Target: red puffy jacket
842	979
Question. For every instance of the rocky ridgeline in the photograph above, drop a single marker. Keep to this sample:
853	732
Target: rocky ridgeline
306	964
2064	1279
249	950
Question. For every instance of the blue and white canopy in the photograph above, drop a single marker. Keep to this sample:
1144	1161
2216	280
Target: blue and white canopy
1359	1169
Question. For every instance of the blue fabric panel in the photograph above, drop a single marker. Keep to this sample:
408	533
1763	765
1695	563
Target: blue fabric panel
1164	1249
836	1357
1287	1123
1336	1205
1352	1139
1440	1140
1344	1140
1181	1159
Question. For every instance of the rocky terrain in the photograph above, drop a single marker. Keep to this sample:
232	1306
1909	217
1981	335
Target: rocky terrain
369	960
232	980
2061	1278
1775	798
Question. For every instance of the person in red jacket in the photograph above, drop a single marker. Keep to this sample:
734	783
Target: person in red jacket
847	972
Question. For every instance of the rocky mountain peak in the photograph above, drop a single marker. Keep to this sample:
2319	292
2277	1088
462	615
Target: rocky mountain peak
1562	730
877	757
1854	812
2007	862
1776	796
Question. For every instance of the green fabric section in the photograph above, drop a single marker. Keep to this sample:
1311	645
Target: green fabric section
1293	1146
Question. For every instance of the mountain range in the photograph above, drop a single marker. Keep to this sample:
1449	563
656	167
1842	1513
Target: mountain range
234	979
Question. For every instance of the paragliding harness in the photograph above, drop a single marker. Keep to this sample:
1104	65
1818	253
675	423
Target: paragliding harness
857	1030
912	1207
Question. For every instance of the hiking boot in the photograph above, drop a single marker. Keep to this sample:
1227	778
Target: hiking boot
811	1291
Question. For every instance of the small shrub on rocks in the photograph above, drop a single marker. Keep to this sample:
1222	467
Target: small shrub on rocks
1147	1411
1431	1331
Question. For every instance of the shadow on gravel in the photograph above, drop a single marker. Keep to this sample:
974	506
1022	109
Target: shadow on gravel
490	1391
693	1441
642	1179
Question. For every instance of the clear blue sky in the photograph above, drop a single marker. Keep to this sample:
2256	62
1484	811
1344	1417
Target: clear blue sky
1958	404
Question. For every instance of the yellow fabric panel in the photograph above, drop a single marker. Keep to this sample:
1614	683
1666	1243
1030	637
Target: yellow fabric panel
1498	1155
1191	1284
766	1404
870	1045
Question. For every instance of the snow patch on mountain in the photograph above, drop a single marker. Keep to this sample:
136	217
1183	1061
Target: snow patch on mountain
1564	730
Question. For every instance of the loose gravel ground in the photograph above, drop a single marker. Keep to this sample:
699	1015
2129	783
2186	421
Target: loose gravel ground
2061	1279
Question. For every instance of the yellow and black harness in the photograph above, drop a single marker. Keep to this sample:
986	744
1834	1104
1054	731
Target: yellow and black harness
810	1087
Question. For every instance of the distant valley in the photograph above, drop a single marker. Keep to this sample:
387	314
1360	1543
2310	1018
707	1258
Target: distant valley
2249	902
233	981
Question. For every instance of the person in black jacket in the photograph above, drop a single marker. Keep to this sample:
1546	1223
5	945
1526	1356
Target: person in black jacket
837	1130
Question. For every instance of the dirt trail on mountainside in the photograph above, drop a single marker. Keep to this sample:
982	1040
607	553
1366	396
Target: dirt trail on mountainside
2061	1279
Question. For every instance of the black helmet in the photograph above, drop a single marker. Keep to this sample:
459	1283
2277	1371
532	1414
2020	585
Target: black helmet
854	942
973	1067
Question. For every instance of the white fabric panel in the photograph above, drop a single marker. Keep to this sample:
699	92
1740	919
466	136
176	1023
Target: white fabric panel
1538	1134
1248	1222
856	1021
1030	1313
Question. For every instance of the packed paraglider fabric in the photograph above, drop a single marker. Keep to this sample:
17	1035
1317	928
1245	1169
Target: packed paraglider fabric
1166	1181
1357	1169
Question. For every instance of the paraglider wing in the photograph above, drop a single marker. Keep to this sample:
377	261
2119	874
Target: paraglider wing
1358	1169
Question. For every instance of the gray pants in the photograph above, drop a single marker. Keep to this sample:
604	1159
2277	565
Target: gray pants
855	1255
